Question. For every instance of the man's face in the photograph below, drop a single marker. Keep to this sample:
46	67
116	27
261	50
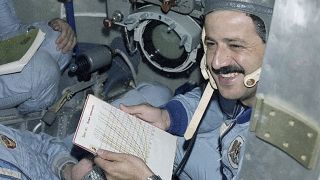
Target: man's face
234	50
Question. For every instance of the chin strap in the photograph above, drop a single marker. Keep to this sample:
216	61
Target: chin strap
250	80
205	99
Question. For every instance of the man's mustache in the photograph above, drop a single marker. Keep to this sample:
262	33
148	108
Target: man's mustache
229	69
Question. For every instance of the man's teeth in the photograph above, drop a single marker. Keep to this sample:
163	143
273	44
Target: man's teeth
230	75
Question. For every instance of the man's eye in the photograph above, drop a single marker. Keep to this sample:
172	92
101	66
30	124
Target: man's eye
236	46
210	44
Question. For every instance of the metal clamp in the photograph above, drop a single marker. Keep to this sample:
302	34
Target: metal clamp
295	135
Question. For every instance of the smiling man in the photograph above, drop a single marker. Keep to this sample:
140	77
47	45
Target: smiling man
235	39
231	55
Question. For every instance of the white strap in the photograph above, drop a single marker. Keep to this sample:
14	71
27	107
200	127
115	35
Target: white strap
199	112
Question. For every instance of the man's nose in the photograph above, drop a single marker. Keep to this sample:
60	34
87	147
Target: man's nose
219	58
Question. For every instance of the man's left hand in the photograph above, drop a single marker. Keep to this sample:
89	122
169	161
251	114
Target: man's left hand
78	171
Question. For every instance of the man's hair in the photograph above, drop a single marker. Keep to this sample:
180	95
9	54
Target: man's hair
260	27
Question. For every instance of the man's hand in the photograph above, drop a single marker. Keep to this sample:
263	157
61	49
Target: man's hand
122	166
67	39
155	116
78	171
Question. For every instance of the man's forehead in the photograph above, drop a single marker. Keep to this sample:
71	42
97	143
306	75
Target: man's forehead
235	13
230	26
226	20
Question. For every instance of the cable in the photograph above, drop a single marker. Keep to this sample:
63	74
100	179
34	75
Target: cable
37	127
129	47
126	59
186	156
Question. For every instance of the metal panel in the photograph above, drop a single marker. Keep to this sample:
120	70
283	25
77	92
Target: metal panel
289	80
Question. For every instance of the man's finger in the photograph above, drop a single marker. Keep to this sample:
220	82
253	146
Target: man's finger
68	46
108	155
135	109
65	39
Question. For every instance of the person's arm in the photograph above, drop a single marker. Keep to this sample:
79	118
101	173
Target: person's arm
173	116
178	117
53	151
9	22
123	166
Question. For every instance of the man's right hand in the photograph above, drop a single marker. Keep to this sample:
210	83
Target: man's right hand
67	39
155	116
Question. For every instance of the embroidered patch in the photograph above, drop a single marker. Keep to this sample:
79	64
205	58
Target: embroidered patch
234	151
8	142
